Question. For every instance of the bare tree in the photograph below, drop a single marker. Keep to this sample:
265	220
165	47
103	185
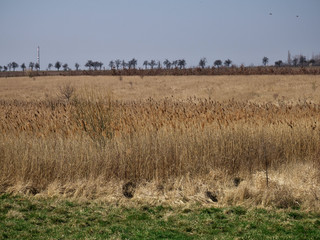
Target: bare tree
65	66
50	65
278	63
9	65
302	60
14	65
99	65
111	64
77	66
37	66
58	65
95	65
217	63
145	64
117	63
182	63
23	67
227	62
202	62
311	62
124	64
167	63
31	65
265	61
132	63
89	64
175	63
152	64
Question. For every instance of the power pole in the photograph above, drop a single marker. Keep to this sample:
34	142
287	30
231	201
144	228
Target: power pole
289	58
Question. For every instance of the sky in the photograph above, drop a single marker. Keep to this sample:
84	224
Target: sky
75	31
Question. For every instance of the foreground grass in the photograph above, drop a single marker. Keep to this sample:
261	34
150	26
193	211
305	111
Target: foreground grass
30	218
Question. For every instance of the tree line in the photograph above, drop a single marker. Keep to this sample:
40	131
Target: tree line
153	64
296	61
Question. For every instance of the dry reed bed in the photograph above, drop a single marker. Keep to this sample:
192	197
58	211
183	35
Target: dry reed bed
168	151
58	116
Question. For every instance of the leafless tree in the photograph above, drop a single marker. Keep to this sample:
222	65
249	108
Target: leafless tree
23	66
117	63
58	65
202	62
145	64
65	66
31	65
152	64
227	62
77	66
111	64
217	63
265	61
14	65
167	63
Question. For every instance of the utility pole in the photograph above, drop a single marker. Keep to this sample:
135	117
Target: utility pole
289	58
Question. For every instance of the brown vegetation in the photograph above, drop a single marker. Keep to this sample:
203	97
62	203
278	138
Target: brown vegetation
271	70
165	150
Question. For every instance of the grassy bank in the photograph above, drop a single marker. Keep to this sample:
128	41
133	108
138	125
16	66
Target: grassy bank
31	218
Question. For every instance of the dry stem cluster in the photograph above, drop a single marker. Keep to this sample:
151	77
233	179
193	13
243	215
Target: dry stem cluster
167	150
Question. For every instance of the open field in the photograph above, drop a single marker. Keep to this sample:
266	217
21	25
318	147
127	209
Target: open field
157	140
256	88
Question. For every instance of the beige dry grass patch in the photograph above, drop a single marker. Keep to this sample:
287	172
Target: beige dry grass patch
257	88
186	191
15	214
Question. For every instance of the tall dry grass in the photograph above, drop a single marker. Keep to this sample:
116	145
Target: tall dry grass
170	150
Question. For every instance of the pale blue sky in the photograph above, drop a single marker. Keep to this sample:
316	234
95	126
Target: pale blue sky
78	30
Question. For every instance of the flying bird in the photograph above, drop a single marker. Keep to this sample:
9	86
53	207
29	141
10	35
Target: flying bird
270	13
297	16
